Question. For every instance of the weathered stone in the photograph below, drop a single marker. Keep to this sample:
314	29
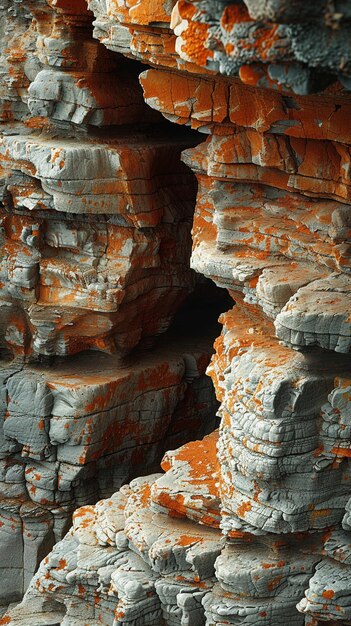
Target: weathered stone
190	486
165	568
96	211
251	525
77	431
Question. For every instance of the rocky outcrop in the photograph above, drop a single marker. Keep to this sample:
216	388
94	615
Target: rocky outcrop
96	211
250	525
76	432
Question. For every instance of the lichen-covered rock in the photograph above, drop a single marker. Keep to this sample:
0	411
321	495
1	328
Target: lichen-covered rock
95	210
117	203
77	431
137	567
266	43
118	208
189	488
251	525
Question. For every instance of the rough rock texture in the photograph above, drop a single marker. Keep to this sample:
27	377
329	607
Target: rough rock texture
250	526
77	431
96	210
124	562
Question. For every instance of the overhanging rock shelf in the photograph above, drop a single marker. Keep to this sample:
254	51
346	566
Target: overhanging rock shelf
250	526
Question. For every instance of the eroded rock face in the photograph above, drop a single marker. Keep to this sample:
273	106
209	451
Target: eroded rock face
125	562
77	431
130	278
96	210
250	526
115	201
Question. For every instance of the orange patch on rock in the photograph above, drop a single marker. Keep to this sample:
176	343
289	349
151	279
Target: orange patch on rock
244	508
185	540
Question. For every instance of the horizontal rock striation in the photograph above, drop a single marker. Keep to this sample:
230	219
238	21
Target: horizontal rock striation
251	525
132	244
77	431
96	211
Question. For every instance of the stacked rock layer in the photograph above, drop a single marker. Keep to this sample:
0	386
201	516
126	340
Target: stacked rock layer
250	526
96	211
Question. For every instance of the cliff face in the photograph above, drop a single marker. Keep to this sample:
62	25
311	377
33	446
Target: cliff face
96	211
251	525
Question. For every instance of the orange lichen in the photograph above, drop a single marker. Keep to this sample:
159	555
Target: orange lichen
234	14
185	540
273	584
244	508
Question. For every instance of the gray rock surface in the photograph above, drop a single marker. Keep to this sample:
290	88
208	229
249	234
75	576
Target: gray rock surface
250	526
95	211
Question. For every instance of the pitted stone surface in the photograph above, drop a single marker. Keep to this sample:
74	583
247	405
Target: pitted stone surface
251	525
150	566
96	210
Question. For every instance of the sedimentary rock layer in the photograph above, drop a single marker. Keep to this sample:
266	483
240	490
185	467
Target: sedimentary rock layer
85	250
250	526
96	211
78	430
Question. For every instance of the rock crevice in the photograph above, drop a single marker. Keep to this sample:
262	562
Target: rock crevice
250	525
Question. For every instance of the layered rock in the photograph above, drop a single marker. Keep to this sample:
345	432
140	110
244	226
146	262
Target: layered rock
79	430
124	563
146	556
96	211
251	525
133	271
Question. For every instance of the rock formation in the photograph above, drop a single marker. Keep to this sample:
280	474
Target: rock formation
96	211
251	525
